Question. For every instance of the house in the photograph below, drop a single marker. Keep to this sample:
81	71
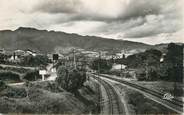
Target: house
19	53
162	57
90	54
118	66
14	58
2	51
30	52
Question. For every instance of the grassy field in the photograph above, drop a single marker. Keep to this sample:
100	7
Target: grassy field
137	103
46	98
164	87
11	74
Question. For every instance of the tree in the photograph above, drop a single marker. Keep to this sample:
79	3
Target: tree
172	67
145	59
70	79
32	75
62	79
147	62
2	85
35	60
9	76
101	65
3	58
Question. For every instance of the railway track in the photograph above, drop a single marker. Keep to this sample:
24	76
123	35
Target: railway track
175	104
114	102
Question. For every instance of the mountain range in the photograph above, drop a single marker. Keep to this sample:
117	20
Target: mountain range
46	41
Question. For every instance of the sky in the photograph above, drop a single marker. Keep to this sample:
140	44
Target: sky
147	21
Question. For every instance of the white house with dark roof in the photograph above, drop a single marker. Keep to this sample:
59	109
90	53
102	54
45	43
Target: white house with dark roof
30	52
2	51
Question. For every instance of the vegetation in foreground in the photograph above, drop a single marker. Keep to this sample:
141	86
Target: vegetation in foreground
140	104
15	75
70	93
164	87
70	79
45	98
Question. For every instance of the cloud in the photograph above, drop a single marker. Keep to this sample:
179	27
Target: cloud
95	8
133	19
82	27
105	9
58	6
162	38
155	24
139	20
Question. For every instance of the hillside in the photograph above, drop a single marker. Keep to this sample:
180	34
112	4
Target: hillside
163	47
46	41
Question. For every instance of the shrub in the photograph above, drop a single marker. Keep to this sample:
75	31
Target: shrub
114	72
35	61
127	75
14	69
2	85
152	75
13	92
70	80
102	65
170	69
173	63
62	79
140	75
76	80
32	76
143	105
2	58
149	57
8	76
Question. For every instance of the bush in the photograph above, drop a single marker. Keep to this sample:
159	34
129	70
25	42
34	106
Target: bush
101	64
3	57
152	75
70	79
2	85
62	79
8	76
127	75
114	72
170	69
35	61
140	75
76	80
173	63
148	58
143	105
14	69
32	76
13	92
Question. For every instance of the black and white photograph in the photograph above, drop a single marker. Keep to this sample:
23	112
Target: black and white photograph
101	57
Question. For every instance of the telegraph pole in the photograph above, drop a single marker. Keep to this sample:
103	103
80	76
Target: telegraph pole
146	70
74	59
99	79
123	57
99	63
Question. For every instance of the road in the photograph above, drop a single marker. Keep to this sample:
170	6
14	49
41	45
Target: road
52	72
